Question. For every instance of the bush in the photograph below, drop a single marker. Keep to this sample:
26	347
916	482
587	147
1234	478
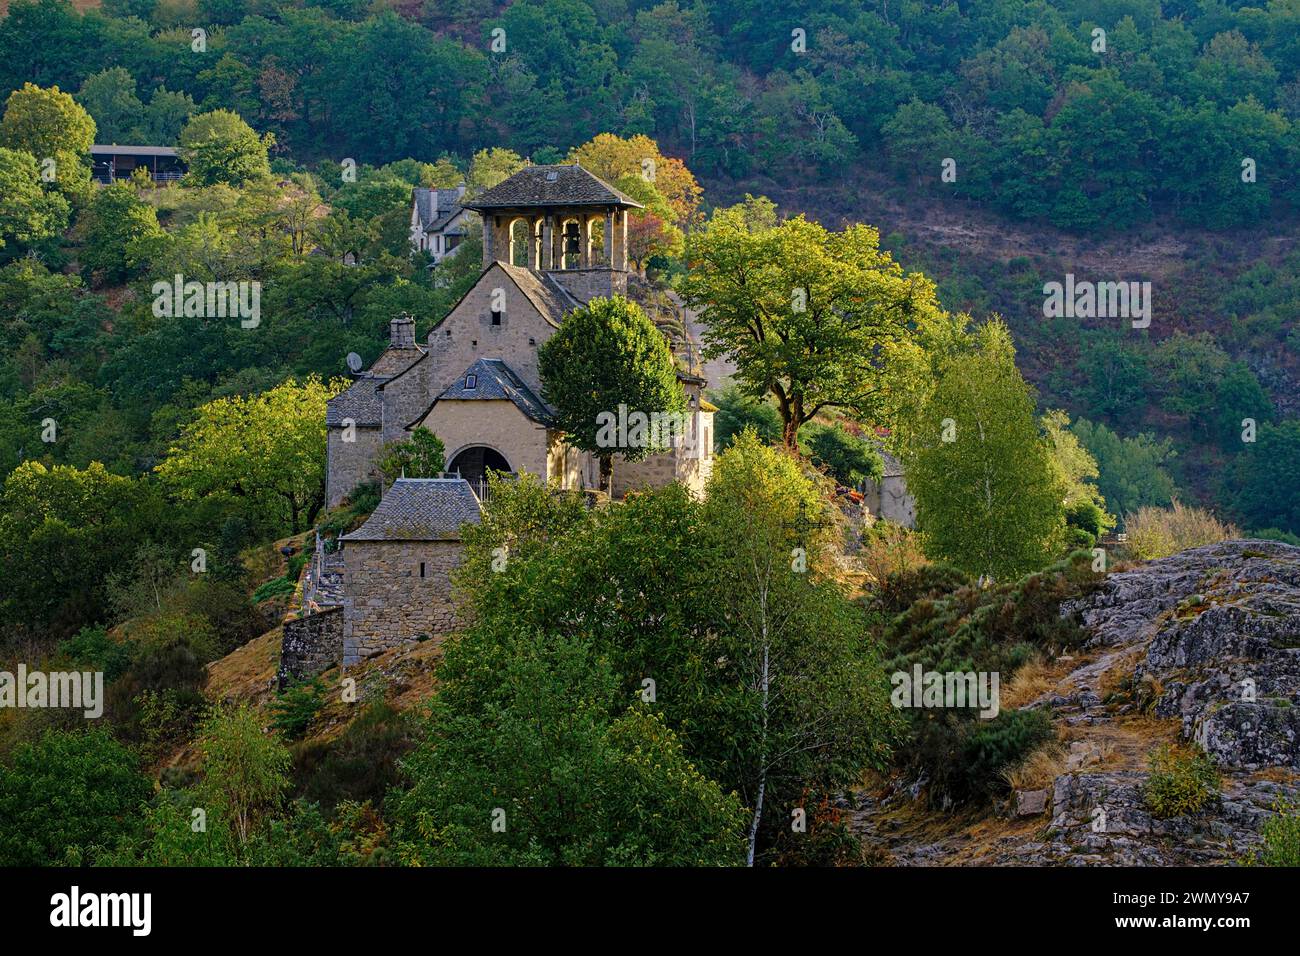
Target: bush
1182	781
845	457
297	706
1159	532
65	793
274	588
92	647
361	765
901	589
966	760
1281	846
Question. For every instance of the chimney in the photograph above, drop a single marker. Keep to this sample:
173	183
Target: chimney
401	332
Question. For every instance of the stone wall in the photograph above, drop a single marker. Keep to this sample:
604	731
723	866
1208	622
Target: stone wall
890	499
311	644
388	603
496	424
349	463
467	334
586	284
405	397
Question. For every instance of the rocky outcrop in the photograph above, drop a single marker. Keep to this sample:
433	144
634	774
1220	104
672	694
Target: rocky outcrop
1220	625
1202	646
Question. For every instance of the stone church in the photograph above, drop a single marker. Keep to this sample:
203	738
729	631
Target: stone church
554	237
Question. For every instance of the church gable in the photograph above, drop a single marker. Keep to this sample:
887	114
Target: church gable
507	315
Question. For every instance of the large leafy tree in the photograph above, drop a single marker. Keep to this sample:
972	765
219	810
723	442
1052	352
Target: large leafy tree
63	530
219	147
817	319
121	232
27	212
988	494
66	793
1268	478
50	125
606	355
268	449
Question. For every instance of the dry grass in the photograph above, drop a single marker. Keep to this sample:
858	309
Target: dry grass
1160	532
1038	770
1029	683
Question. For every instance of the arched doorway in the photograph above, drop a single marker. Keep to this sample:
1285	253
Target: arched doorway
475	462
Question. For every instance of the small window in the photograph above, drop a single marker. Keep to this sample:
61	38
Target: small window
471	381
496	316
474	344
421	569
532	341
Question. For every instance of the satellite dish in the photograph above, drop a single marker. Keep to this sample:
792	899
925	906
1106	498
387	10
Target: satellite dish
354	361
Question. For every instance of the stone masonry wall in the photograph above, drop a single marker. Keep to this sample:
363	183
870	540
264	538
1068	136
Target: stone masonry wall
388	603
348	464
496	424
467	335
311	644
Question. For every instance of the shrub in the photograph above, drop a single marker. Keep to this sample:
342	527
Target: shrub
1159	532
1281	846
274	588
92	647
1182	781
969	760
62	794
362	764
901	589
297	706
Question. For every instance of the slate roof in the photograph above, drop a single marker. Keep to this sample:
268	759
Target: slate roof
436	207
359	402
546	294
494	380
421	509
568	185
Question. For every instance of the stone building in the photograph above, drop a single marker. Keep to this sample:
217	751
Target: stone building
554	237
396	583
439	222
889	497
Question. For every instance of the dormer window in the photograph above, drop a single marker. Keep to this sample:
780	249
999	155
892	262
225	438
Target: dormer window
471	381
552	176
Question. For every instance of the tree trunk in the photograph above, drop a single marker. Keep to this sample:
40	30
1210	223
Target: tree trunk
607	474
762	753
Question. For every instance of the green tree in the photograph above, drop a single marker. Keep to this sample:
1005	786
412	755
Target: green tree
987	494
50	125
27	212
738	411
1267	478
121	231
818	319
65	793
245	771
846	457
423	455
1131	471
63	530
268	449
545	770
110	98
606	355
219	147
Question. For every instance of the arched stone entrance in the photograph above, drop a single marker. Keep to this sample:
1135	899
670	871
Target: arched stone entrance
476	461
